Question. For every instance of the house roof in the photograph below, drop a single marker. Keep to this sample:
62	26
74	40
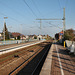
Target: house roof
16	34
31	35
22	35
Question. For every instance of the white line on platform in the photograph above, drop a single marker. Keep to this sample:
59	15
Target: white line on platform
62	72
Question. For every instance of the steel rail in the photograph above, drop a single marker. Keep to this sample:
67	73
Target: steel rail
28	60
40	61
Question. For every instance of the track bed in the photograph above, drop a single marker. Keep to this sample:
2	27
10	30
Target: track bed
13	62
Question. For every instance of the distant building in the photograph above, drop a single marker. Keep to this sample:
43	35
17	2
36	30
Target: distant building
44	36
31	36
18	36
27	36
22	37
1	36
39	37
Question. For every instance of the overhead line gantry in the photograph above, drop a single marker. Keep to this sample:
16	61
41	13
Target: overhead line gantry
56	19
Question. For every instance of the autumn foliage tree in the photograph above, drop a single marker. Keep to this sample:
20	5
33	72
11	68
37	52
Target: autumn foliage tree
69	34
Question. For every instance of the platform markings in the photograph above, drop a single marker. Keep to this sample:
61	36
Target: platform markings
17	47
62	72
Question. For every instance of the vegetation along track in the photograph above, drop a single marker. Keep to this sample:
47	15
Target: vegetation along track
15	61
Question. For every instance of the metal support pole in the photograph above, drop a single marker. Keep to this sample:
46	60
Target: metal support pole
64	28
21	34
40	24
4	30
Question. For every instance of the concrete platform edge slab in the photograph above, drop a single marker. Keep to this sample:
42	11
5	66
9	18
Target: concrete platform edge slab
46	69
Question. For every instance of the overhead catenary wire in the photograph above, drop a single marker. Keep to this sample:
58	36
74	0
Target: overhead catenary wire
36	7
59	3
55	26
10	17
17	21
30	8
4	4
53	12
13	11
66	3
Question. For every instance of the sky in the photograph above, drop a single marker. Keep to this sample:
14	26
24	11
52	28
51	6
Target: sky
22	15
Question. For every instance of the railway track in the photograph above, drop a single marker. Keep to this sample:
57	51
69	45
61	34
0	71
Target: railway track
15	54
21	58
34	66
39	65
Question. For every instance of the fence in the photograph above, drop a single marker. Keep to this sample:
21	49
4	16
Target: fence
11	42
16	41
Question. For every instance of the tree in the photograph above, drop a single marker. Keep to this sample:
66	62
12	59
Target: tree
18	37
35	37
6	32
57	36
48	37
69	34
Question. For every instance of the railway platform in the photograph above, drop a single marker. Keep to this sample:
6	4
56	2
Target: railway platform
58	62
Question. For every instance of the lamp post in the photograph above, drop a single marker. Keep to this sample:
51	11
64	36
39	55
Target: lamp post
4	28
21	32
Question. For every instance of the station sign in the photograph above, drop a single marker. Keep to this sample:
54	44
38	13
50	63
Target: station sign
61	33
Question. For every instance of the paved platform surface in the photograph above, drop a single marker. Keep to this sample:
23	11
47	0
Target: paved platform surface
14	45
13	48
58	62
